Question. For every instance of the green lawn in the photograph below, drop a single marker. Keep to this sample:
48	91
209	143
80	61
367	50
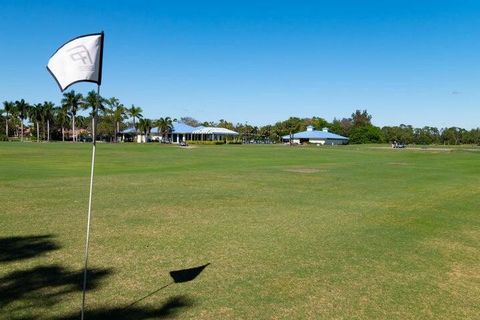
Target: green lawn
290	233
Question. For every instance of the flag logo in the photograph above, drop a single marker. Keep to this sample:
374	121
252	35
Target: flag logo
80	53
78	60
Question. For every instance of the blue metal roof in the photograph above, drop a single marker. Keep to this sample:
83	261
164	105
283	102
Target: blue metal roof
129	130
179	127
314	134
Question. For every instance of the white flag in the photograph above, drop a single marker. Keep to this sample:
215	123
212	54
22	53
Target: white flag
79	59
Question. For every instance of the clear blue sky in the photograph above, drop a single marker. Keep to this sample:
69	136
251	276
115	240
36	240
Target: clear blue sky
413	62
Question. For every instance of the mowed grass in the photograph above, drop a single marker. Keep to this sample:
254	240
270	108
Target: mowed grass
290	233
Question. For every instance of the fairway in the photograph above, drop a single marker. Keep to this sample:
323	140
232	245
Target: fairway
353	232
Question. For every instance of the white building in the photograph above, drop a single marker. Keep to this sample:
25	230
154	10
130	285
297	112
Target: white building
316	137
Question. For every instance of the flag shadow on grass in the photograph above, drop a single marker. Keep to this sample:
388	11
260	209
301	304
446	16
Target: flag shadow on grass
168	309
185	275
178	276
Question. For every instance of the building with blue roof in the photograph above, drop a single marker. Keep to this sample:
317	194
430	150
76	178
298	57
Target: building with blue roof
182	132
317	137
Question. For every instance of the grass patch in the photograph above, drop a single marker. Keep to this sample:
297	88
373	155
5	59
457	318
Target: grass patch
307	233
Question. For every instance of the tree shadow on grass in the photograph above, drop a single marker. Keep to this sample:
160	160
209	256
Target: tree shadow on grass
169	309
29	289
21	248
33	288
45	285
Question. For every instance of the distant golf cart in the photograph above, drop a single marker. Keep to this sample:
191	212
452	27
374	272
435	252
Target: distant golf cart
398	145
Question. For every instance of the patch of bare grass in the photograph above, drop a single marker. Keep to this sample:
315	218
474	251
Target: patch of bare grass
302	170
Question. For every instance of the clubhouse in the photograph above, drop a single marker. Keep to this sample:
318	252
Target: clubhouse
182	132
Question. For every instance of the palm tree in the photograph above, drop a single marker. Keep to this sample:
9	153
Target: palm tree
135	112
95	101
15	121
35	113
165	126
22	110
2	116
8	108
118	112
145	125
73	101
48	108
61	117
118	116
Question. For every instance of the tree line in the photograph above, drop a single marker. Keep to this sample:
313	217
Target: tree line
68	121
358	128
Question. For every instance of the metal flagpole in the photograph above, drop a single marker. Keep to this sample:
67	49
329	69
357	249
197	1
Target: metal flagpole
94	115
